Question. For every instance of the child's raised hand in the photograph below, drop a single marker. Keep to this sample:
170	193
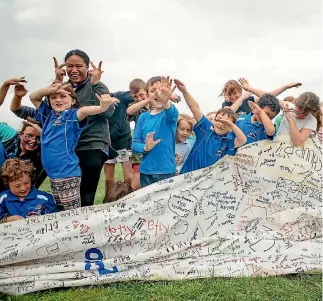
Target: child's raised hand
106	101
178	159
59	71
244	84
293	85
180	85
254	107
165	91
287	113
226	122
150	143
15	81
53	88
20	90
34	125
95	73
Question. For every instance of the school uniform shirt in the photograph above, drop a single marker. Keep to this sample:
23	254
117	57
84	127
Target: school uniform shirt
209	147
161	158
7	133
59	137
182	149
309	122
3	155
244	107
37	202
254	131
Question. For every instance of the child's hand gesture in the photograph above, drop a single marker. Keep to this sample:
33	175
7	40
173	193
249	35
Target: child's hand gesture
287	113
150	143
15	81
53	88
244	84
20	90
164	93
293	85
59	71
106	101
180	86
226	122
34	125
178	159
254	107
95	73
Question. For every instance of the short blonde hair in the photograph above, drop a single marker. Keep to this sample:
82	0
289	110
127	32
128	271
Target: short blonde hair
14	169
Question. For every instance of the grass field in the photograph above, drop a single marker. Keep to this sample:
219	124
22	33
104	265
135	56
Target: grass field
301	287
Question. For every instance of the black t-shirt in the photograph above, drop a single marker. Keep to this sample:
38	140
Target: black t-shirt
243	109
120	132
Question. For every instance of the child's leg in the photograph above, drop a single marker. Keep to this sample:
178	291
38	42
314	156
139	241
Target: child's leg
135	181
109	169
127	171
66	192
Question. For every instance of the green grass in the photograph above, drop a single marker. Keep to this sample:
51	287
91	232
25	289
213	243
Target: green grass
300	287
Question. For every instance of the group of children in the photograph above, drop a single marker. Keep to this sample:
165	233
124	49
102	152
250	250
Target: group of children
164	143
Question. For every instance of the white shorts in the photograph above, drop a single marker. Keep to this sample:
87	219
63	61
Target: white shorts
124	156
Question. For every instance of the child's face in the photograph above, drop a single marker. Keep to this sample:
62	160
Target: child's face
183	131
76	69
29	139
232	95
220	128
151	95
61	101
299	114
269	113
21	187
141	95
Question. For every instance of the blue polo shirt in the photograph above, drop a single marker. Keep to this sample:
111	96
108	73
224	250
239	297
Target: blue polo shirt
209	147
59	138
3	155
37	202
160	159
254	131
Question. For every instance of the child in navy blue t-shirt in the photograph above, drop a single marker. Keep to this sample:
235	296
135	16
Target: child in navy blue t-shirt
63	123
258	125
22	200
213	140
154	135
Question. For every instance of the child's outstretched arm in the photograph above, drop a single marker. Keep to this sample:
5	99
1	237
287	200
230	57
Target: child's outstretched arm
191	102
240	139
37	96
5	87
280	90
20	92
246	86
135	107
298	137
105	102
268	124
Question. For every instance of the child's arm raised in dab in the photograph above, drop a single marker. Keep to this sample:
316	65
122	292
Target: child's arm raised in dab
268	124
134	108
37	96
280	90
191	102
6	85
105	102
240	139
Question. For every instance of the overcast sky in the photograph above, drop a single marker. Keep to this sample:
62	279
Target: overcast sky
202	42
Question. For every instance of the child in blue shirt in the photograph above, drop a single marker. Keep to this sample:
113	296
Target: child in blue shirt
22	200
258	125
63	123
213	140
182	147
154	135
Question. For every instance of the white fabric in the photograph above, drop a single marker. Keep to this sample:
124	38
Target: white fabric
258	213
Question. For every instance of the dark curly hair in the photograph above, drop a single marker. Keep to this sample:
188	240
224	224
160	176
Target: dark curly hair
268	100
